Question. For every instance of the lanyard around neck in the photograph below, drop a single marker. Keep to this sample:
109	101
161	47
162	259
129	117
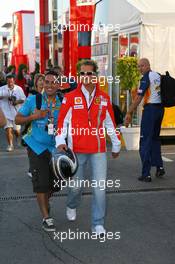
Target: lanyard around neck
51	104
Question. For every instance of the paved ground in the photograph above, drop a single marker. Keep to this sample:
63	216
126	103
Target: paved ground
143	213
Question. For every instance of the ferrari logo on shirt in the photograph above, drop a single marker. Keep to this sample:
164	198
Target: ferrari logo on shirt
97	100
78	100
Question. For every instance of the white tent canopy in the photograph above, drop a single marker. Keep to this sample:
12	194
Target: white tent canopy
155	11
154	6
123	13
155	20
131	12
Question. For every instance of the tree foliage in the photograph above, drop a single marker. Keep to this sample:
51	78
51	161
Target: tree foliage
128	71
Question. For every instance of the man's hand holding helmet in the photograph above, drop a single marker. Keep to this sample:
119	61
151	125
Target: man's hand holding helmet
62	147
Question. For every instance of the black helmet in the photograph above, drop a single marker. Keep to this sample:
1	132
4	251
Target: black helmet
64	164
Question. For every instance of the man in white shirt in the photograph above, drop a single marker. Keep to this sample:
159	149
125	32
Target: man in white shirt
11	98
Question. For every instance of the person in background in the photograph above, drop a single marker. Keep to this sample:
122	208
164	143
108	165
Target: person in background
11	98
32	75
12	70
38	88
39	82
153	111
4	71
2	79
22	79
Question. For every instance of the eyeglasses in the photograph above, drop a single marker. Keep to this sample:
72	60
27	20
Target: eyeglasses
87	73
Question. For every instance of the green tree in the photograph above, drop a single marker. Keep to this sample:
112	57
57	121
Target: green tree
128	71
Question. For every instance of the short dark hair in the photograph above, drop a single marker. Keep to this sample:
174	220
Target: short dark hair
10	75
51	72
57	68
89	63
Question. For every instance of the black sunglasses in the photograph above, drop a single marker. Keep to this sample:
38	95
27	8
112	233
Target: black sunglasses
87	73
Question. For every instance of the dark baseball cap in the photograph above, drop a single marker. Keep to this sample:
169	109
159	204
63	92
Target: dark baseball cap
10	75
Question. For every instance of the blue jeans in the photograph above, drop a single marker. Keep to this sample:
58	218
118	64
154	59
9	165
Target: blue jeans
98	163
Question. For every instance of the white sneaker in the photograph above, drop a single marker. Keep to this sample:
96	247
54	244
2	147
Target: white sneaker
29	174
10	148
71	214
99	230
